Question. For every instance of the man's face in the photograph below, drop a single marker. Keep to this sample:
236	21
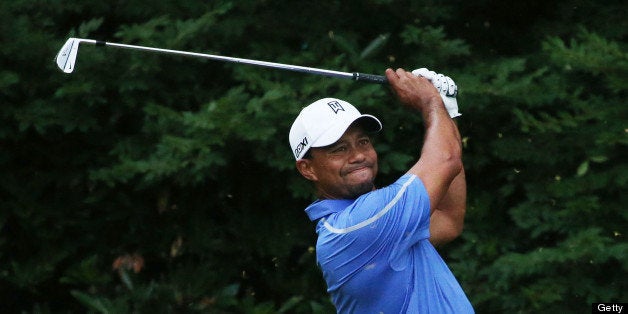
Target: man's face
345	169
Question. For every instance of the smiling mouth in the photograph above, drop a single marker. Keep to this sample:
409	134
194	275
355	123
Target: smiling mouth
356	170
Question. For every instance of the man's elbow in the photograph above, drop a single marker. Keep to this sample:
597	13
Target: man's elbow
454	232
445	232
443	238
452	162
457	231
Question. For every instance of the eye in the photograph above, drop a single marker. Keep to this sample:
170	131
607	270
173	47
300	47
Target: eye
365	141
339	149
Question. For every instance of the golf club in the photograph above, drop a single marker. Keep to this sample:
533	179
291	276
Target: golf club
66	60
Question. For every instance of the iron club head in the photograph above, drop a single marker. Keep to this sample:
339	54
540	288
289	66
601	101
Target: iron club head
66	57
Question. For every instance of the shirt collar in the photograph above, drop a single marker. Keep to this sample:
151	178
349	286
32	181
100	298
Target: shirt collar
322	208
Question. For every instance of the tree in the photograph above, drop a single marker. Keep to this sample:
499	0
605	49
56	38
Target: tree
557	192
152	183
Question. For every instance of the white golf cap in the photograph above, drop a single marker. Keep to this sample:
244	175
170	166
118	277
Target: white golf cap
323	122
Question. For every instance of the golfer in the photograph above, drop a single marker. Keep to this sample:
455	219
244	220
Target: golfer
376	245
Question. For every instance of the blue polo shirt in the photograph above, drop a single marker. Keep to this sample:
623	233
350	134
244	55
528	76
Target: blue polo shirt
376	257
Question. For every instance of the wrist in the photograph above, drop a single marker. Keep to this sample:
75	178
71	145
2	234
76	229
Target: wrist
432	106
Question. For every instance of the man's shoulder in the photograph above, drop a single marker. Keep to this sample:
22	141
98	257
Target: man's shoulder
394	190
370	208
349	215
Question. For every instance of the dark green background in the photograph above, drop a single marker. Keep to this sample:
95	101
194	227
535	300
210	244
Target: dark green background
185	164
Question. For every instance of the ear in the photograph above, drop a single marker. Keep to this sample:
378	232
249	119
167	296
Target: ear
305	168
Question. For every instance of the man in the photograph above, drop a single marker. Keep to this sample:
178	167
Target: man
374	244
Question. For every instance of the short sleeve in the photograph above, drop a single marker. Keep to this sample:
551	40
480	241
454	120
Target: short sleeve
399	212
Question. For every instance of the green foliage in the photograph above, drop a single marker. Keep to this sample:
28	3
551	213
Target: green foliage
565	244
153	183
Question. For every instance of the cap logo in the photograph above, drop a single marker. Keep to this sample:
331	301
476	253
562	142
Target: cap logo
335	106
300	147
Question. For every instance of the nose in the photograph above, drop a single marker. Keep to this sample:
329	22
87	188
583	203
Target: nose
357	155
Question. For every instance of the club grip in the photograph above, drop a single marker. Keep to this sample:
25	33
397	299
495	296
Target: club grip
370	78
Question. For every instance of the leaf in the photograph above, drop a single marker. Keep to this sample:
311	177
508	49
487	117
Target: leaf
598	159
86	28
85	272
290	304
126	279
91	302
345	45
7	79
582	169
374	45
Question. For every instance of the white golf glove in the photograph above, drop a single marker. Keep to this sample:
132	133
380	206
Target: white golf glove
445	86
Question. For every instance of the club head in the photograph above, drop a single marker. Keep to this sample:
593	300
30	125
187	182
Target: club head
66	57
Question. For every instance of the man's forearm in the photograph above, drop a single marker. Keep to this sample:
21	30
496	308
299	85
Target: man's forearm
442	151
447	220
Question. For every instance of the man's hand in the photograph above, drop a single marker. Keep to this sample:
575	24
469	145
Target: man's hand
445	86
413	91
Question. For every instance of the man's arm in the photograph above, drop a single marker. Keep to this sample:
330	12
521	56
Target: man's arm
440	161
447	219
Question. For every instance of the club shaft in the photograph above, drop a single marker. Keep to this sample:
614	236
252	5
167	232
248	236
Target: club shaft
348	75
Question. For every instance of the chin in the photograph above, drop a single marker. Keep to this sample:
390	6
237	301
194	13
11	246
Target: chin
361	182
357	190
